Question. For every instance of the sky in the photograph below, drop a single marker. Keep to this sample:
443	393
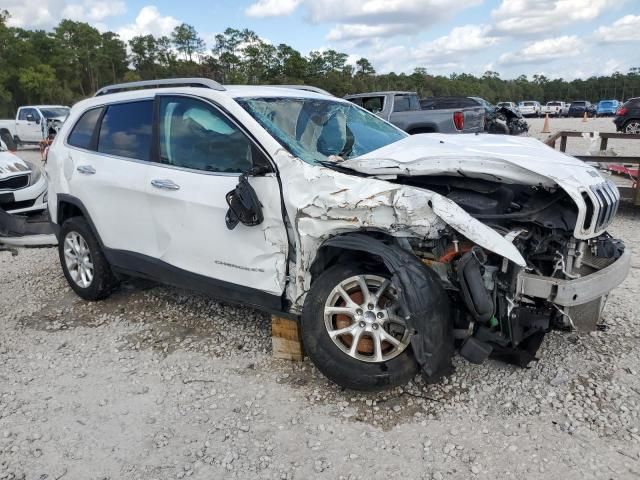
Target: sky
557	38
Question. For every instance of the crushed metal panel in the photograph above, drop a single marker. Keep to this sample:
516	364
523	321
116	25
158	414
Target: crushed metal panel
322	203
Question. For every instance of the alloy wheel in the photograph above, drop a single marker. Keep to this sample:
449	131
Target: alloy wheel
363	318
633	127
77	258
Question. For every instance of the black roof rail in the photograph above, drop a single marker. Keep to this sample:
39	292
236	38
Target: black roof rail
308	88
166	82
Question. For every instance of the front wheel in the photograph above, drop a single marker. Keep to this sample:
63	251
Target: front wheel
83	263
353	329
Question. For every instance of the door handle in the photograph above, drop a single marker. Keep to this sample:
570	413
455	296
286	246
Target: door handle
86	169
165	184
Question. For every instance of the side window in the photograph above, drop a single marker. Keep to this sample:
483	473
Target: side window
25	112
401	103
126	130
82	134
195	135
373	104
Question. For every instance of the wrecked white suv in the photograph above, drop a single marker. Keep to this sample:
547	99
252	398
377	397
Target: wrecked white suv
391	249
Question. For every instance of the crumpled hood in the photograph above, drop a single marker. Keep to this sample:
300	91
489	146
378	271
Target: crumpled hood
501	158
11	165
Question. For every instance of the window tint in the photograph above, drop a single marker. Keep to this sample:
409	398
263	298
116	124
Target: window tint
82	132
195	135
126	130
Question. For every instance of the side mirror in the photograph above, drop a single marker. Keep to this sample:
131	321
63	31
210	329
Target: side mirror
244	206
30	117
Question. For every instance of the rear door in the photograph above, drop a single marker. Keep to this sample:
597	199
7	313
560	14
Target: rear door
29	125
108	164
201	153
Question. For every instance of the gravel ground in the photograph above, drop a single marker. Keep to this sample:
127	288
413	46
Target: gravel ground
159	383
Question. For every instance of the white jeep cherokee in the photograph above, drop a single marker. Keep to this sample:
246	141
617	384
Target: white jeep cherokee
389	248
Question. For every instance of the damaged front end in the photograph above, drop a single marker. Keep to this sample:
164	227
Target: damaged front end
564	265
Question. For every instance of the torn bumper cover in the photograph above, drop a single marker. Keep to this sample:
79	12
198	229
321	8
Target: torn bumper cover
26	231
425	301
568	293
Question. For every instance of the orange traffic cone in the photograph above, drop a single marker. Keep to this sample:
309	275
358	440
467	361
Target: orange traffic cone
584	118
545	127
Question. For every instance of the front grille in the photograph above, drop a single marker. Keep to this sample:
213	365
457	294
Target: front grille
17	205
14	183
602	206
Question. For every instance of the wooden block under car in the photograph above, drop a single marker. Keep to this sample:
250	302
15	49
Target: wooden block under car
286	339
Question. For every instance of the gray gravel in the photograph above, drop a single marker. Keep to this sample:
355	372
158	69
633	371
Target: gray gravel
158	383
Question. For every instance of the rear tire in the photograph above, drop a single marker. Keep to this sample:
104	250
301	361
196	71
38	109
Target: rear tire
83	262
357	367
632	127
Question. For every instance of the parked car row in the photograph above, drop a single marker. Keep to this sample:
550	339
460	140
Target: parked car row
558	108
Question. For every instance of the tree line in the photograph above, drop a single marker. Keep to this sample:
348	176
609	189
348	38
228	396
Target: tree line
74	59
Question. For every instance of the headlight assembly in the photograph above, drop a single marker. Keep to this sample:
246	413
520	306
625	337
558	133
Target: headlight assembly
36	172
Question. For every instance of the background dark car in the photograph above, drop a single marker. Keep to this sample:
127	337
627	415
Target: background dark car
578	108
627	117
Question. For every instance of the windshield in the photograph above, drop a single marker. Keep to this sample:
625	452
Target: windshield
53	112
528	104
606	103
315	129
578	104
554	104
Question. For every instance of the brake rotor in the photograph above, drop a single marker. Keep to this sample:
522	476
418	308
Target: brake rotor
365	345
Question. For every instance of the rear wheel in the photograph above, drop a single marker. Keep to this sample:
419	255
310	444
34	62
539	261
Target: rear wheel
632	127
83	263
353	329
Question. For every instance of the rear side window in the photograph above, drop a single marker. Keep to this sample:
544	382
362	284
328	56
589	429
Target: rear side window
126	130
373	104
82	134
401	103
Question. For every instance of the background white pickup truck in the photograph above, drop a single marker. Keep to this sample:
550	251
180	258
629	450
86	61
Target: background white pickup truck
32	123
556	108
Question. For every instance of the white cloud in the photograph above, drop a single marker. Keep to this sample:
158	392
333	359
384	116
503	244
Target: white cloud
272	8
91	11
149	21
366	19
545	51
347	31
625	29
47	13
517	17
457	44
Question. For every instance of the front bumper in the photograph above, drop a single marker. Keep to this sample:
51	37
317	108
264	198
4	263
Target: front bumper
569	293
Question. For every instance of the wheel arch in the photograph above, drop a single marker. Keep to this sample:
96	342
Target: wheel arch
69	206
332	252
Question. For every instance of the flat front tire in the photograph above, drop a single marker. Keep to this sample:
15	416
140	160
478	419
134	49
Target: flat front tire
83	263
353	331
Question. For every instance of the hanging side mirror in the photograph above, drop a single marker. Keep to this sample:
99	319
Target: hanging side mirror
244	205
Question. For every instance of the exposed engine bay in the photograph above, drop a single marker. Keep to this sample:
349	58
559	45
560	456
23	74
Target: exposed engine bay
492	315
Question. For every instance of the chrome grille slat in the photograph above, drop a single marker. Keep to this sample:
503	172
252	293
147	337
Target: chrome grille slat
605	198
